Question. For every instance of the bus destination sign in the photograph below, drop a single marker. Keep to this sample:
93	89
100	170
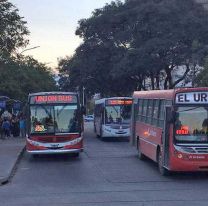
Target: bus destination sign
48	99
192	98
119	102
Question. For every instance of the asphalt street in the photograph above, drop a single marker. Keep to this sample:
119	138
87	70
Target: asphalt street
107	173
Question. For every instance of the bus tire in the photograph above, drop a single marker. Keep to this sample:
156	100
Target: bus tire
163	171
35	156
140	154
76	154
101	134
97	135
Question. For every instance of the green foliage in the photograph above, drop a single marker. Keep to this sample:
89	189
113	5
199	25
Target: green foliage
22	76
202	77
19	75
126	43
13	29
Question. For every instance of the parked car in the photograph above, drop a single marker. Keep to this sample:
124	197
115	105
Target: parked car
89	118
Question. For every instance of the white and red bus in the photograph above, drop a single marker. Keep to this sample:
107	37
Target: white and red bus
171	128
112	117
55	123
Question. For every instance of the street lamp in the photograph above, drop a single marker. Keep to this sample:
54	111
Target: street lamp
35	47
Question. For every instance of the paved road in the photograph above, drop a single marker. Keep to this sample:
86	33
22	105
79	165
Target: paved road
106	174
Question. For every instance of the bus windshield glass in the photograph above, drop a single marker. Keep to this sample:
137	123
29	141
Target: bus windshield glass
47	119
118	114
191	125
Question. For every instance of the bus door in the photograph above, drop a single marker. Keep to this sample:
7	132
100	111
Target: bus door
100	121
166	136
134	110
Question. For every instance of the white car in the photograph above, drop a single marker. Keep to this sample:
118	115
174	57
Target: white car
89	118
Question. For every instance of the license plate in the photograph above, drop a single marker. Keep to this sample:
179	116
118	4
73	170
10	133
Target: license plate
55	145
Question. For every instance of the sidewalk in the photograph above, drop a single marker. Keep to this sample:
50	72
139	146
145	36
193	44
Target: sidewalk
10	151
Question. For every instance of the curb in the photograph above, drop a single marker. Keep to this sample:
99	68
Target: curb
5	180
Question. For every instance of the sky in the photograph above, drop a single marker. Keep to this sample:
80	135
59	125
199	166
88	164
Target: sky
52	25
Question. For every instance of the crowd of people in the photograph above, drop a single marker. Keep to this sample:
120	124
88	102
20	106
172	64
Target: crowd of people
12	125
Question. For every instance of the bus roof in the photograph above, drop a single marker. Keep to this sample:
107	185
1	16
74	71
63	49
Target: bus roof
165	94
51	93
100	101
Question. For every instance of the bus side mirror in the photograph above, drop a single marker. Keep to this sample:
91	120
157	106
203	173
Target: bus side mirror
83	110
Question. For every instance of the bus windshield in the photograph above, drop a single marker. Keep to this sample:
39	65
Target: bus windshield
191	125
47	119
118	114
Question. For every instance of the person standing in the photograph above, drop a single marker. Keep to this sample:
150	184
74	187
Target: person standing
6	128
15	126
6	115
22	126
1	129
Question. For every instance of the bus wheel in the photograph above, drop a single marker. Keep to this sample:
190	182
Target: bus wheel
35	156
76	154
163	171
140	154
101	134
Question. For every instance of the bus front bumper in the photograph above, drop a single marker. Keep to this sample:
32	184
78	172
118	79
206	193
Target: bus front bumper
188	162
73	146
109	132
58	151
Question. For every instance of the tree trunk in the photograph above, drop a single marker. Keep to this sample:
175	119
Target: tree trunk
152	81
168	81
158	81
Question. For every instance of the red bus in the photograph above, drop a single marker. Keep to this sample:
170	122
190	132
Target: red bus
55	123
171	128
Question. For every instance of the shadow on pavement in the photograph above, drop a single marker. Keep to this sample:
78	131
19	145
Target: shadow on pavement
115	139
200	175
54	158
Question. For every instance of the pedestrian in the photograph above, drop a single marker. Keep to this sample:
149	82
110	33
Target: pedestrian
22	126
15	126
1	129
6	128
6	115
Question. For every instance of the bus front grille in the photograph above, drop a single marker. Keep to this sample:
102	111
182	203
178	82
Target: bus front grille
201	150
53	139
119	127
197	150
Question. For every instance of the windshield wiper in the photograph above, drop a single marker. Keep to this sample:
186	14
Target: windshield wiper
185	110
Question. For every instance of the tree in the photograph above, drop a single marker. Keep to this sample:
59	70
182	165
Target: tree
19	75
13	29
25	75
127	43
92	65
201	79
166	34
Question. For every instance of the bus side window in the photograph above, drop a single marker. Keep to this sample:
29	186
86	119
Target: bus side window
155	112
102	112
161	113
144	110
152	113
140	106
168	103
149	111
